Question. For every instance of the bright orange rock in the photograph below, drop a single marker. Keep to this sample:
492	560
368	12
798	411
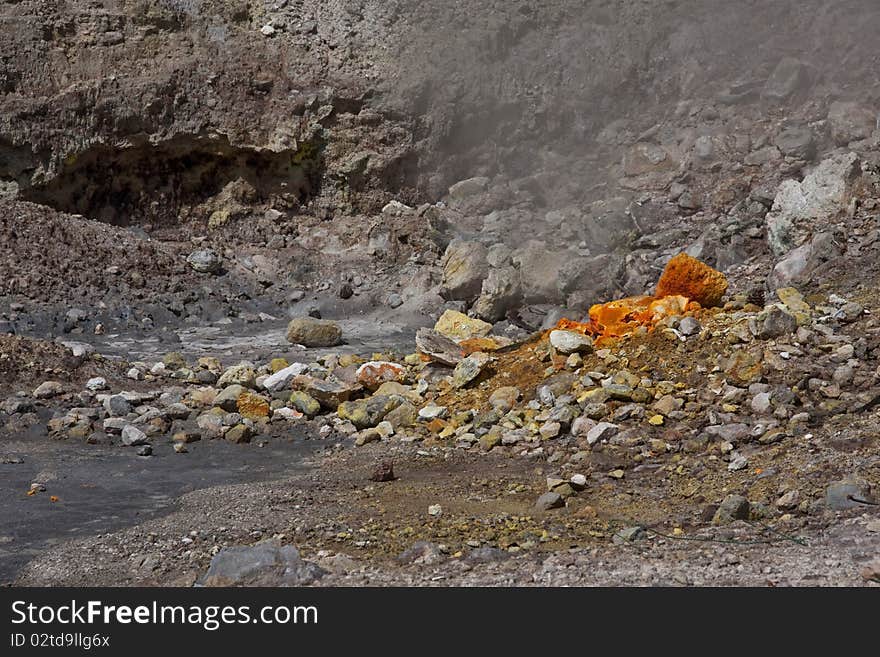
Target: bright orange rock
686	285
252	406
585	328
693	279
376	372
622	317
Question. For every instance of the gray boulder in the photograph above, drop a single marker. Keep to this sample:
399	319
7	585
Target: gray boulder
823	193
264	564
466	189
790	77
849	122
464	269
539	272
797	141
799	263
501	291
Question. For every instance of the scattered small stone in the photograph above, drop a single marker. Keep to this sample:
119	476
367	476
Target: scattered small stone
48	389
432	412
469	368
849	312
422	553
602	431
689	326
549	500
459	327
848	494
97	383
345	291
733	507
504	399
761	403
281	378
132	436
251	406
329	394
384	472
145	450
435	510
871	572
117	406
373	374
204	261
438	347
629	535
367	413
579	481
550	430
240	433
570	342
774	324
305	403
789	500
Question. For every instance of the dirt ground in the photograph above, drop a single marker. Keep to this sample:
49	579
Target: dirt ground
358	529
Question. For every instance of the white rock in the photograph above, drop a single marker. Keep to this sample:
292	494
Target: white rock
396	208
135	373
569	342
432	411
435	510
281	378
601	431
267	30
288	414
96	383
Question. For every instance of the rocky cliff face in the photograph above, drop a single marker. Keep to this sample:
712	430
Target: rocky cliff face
585	142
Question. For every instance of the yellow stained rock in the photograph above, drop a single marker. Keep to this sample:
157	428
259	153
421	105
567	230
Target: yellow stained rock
458	326
656	420
278	364
252	406
793	300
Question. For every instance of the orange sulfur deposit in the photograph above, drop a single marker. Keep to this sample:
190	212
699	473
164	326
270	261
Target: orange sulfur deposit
685	286
693	279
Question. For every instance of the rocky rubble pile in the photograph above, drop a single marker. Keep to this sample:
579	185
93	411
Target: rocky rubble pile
726	382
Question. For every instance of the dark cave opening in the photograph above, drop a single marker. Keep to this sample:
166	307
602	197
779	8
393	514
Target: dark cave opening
152	183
